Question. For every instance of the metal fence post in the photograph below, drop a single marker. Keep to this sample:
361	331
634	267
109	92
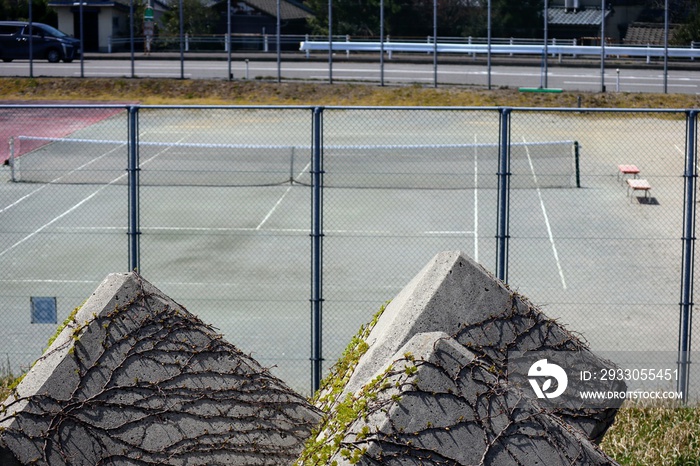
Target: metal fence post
689	211
134	231
317	251
503	227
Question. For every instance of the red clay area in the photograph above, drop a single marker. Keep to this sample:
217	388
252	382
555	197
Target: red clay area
19	119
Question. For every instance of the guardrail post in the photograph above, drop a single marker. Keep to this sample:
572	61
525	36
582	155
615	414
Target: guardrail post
503	227
688	256
134	231
317	251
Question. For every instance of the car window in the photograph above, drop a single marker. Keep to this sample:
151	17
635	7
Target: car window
8	30
50	31
36	31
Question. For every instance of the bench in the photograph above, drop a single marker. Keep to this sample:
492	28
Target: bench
623	170
638	185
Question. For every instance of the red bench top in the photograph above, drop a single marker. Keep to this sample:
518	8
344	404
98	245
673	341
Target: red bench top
628	169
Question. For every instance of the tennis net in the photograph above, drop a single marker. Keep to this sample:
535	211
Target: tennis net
436	166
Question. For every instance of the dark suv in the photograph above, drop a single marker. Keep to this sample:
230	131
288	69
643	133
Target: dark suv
46	41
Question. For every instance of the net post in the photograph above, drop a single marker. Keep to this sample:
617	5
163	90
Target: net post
11	160
291	167
576	162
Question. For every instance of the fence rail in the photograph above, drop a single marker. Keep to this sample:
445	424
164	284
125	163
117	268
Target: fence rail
514	49
288	227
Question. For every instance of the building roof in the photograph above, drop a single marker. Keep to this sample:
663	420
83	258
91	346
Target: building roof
157	4
289	9
647	34
87	3
585	17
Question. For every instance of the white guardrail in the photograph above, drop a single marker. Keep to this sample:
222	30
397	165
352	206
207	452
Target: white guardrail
573	50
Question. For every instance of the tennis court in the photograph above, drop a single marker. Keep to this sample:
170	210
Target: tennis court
226	213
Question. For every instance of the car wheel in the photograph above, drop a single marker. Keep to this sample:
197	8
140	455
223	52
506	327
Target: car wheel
53	56
7	60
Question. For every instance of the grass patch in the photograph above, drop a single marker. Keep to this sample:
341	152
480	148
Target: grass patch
658	434
151	91
8	381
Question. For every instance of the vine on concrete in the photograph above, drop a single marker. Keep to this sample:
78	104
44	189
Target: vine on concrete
160	387
371	427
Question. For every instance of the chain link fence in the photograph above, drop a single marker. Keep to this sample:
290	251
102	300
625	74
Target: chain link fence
287	228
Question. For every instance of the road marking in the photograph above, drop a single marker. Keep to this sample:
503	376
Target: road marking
632	84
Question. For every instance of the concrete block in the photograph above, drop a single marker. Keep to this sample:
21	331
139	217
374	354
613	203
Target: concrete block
455	295
134	378
437	403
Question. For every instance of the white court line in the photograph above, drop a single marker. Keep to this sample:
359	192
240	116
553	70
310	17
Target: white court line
546	218
93	282
279	201
274	230
23	198
58	179
448	232
46	225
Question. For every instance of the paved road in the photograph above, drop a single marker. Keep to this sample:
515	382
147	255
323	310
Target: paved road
587	78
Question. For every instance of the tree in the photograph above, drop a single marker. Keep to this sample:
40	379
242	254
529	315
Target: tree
687	32
523	18
414	18
198	18
683	12
406	18
19	10
353	17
